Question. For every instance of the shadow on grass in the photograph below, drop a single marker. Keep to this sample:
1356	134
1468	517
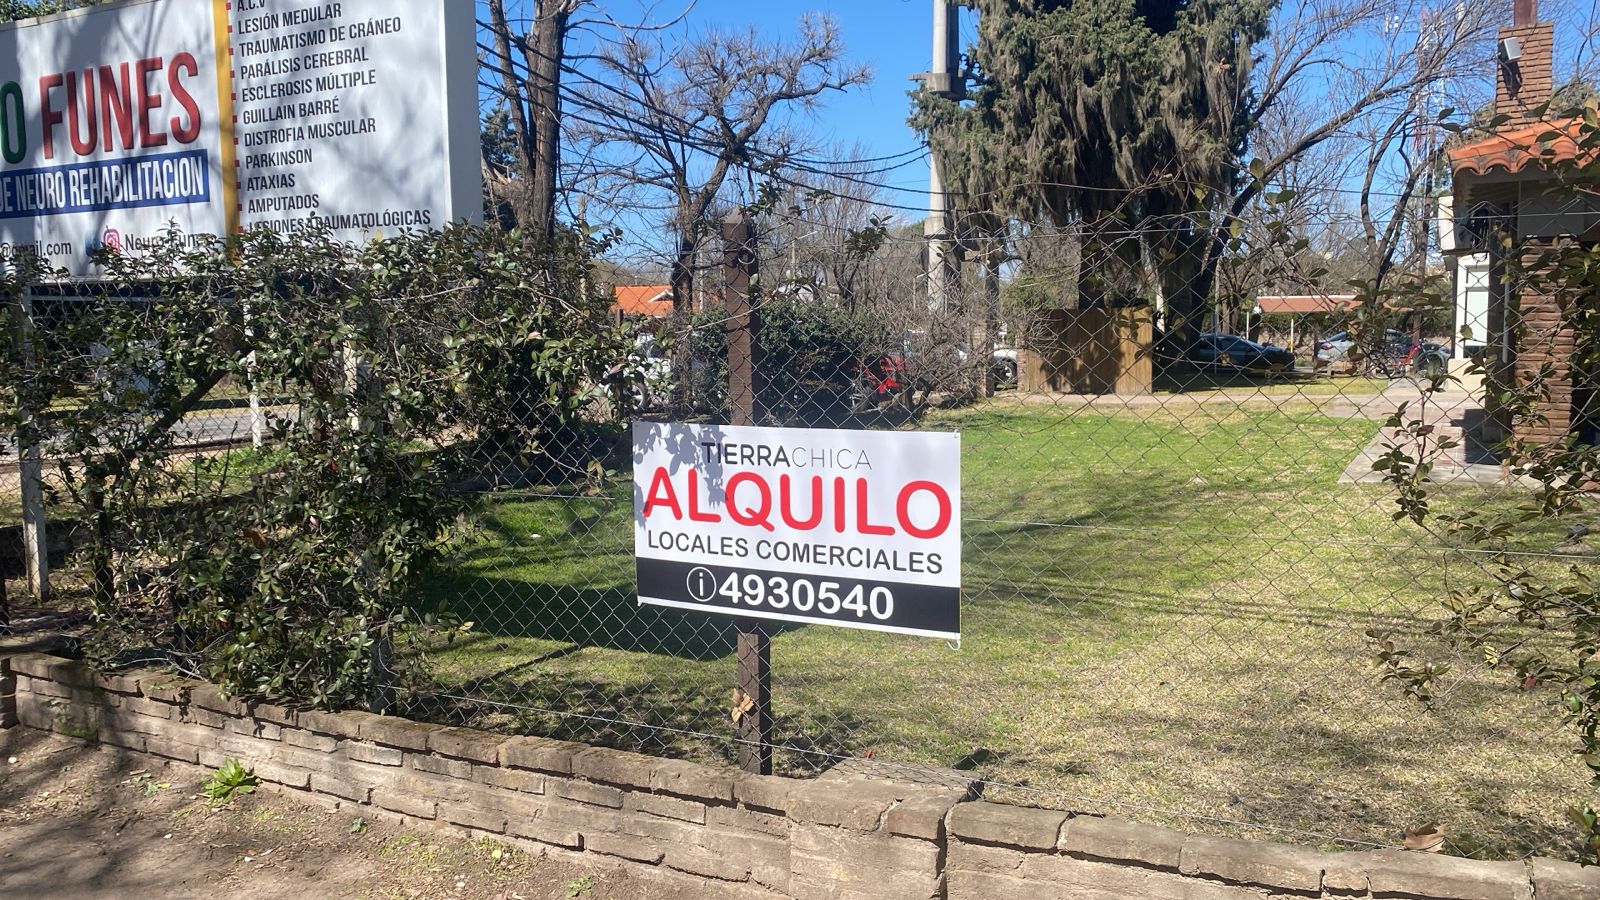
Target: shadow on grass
662	719
1399	785
1185	379
608	617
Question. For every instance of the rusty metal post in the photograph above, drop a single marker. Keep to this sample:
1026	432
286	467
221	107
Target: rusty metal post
752	710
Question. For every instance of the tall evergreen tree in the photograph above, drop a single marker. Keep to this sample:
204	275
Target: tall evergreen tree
1127	117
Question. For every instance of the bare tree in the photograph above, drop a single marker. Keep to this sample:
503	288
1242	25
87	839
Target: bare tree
825	230
680	120
1350	94
528	64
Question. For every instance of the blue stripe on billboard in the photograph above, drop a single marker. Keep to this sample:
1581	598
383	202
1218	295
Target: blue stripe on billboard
163	179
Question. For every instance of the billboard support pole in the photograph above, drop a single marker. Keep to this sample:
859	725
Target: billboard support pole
35	541
752	707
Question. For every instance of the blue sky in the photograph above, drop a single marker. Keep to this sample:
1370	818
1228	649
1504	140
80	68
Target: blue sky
893	36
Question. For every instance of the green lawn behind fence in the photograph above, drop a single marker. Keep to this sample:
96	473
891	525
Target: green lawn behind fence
1164	618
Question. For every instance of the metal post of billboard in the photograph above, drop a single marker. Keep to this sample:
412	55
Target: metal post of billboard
752	711
35	541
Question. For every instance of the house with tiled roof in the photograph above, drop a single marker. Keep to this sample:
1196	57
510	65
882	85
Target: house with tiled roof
641	301
1510	182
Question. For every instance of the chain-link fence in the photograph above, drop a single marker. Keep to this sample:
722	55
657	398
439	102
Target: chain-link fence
1179	562
1180	565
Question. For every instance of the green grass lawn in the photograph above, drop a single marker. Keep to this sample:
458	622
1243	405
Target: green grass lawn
1164	618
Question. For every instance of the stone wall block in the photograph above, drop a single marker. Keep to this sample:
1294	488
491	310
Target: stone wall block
1554	880
686	779
1007	826
664	806
467	743
392	732
614	767
540	754
1120	841
858	805
586	792
1253	862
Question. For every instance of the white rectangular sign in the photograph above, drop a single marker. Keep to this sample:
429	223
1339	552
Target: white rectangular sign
121	120
362	112
860	529
110	129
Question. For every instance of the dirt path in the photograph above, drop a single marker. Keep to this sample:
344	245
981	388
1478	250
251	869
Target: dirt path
79	823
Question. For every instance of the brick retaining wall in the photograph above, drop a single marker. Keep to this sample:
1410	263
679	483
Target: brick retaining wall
735	835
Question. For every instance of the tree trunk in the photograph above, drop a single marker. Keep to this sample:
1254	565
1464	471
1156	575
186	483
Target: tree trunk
549	49
511	88
682	308
103	580
1188	275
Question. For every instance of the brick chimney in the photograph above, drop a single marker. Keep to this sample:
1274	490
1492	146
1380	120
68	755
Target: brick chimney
1524	84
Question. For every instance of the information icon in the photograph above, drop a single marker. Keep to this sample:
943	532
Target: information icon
702	584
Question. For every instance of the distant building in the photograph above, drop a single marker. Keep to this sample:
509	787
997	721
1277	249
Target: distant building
1305	304
641	301
1472	305
1304	310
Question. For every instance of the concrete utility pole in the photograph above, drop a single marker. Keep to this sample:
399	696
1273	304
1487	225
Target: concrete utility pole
35	540
945	80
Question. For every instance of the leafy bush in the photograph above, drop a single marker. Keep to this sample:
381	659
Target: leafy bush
398	369
812	355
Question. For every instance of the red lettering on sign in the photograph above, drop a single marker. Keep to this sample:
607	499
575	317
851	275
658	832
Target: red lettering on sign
148	102
116	106
752	501
85	138
786	504
695	514
662	493
183	132
862	525
903	509
48	115
756	516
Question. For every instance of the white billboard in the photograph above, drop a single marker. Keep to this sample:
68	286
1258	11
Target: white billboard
117	121
362	112
860	529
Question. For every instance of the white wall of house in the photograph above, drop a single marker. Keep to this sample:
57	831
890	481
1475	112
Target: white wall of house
1472	303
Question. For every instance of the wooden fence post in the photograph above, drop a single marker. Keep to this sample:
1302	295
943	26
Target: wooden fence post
753	703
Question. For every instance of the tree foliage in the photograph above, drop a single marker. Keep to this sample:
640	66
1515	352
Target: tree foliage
289	572
1115	114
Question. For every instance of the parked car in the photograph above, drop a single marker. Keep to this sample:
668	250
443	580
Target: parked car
1234	353
654	387
1399	354
1002	364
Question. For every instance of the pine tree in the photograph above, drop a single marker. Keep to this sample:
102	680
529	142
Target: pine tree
1127	117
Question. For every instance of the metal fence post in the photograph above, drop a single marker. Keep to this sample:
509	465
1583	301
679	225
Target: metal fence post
753	707
35	538
363	392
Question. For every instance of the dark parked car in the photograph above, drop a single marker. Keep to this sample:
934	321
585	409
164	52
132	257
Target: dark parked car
1234	353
